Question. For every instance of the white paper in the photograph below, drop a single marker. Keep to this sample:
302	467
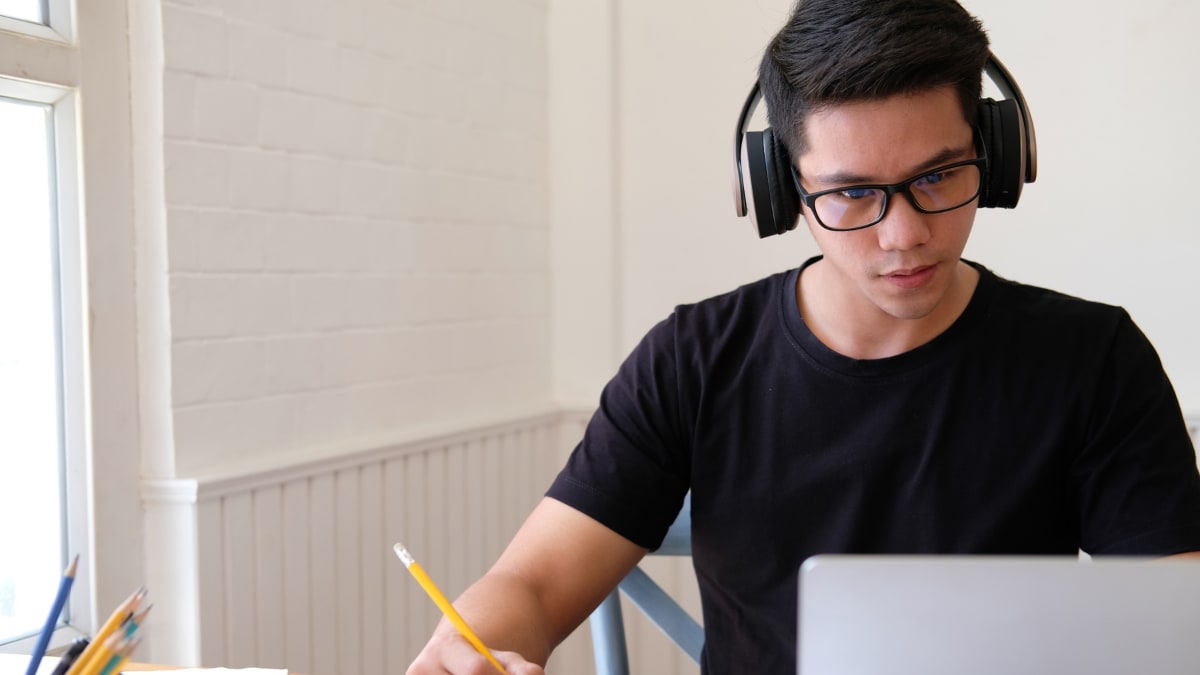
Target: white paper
213	671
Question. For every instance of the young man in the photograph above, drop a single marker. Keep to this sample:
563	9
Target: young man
886	397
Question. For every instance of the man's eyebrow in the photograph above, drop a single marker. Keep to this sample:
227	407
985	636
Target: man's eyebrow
943	156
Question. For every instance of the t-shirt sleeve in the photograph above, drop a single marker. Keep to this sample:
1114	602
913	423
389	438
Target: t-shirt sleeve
630	472
1138	483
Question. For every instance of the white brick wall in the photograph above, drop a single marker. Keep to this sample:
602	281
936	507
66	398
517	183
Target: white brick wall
357	219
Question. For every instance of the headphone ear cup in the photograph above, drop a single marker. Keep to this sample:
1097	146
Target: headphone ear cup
1003	139
771	198
785	201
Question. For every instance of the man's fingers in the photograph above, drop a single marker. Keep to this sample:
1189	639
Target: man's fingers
453	655
515	664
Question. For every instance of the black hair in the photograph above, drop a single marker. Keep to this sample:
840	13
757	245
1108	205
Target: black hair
840	51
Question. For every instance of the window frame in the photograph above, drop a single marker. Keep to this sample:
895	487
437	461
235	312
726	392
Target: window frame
71	274
59	26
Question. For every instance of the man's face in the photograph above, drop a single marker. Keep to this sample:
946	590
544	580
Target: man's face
907	264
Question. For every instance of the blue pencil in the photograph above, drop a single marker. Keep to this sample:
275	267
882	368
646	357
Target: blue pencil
60	601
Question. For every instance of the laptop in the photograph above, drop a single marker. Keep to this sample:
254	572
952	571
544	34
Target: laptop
954	615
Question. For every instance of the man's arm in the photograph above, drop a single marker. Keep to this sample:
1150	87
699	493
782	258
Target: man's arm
557	568
1191	555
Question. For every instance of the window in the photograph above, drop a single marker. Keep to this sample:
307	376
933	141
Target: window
33	11
41	355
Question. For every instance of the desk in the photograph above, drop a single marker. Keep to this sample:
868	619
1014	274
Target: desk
15	664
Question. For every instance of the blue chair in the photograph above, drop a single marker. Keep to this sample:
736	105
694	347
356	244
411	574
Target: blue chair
608	624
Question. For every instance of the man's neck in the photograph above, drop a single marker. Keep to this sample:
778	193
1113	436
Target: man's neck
869	332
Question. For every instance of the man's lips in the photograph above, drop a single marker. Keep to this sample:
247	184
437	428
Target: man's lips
910	277
907	271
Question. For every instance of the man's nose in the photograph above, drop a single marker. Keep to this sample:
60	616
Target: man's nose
903	227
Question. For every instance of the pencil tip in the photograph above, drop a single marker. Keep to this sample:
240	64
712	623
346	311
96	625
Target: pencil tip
71	568
136	597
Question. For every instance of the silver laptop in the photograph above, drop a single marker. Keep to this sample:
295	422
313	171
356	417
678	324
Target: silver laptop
935	615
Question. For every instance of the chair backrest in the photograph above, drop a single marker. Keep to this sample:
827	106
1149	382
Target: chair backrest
608	624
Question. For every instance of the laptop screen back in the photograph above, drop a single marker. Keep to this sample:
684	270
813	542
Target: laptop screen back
933	615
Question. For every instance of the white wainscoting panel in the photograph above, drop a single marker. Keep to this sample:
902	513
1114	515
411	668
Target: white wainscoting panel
296	568
292	567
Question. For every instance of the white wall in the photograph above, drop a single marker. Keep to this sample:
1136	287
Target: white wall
1110	91
341	235
1110	216
652	177
356	222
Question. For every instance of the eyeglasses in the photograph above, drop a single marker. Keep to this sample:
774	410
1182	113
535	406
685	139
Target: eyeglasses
858	206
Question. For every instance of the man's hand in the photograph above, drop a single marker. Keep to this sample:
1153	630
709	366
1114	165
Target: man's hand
558	567
449	653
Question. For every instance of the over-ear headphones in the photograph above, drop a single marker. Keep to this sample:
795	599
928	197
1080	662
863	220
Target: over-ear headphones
763	187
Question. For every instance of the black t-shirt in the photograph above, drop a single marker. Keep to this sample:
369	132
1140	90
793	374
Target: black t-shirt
1037	423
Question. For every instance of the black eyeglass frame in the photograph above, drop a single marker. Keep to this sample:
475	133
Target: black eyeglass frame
903	187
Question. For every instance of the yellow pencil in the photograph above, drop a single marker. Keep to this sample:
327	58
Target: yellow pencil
123	641
121	655
101	657
443	604
122	613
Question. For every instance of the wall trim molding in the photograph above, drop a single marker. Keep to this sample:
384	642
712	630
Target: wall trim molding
248	475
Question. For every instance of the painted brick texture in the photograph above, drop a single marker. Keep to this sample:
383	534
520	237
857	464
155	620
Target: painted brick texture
357	220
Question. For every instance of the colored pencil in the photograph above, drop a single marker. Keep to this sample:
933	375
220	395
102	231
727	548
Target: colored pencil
123	613
121	655
60	601
136	621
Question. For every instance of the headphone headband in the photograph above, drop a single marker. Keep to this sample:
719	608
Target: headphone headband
739	190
